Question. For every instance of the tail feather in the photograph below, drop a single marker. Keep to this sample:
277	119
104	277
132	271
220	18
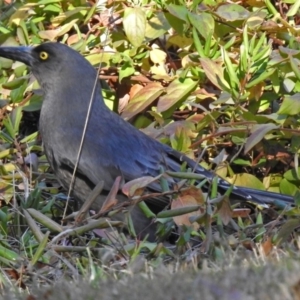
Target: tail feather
243	193
258	196
269	197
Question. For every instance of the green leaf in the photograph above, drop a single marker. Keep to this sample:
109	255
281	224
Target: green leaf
286	230
126	70
175	23
12	123
34	104
9	254
204	23
288	85
146	210
295	66
242	162
104	58
16	95
234	81
287	187
156	26
290	105
41	249
293	9
260	78
44	220
179	11
134	23
197	43
291	175
45	2
247	180
53	8
232	12
17	82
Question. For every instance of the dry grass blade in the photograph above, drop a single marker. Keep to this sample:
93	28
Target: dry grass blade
44	220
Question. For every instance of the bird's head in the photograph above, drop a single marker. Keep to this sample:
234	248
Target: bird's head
52	63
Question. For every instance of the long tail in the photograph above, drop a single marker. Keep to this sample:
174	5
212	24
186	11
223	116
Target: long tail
258	196
242	193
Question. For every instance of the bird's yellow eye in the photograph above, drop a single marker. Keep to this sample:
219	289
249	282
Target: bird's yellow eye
44	55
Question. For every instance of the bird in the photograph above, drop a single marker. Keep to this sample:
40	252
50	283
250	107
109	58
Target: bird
112	147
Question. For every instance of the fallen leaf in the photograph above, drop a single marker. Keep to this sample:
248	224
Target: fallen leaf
136	187
111	199
225	211
190	197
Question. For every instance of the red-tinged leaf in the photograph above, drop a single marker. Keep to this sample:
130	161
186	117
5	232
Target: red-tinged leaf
134	89
134	23
267	246
176	91
49	35
249	244
258	133
176	127
195	192
241	212
214	72
142	99
16	275
75	38
137	186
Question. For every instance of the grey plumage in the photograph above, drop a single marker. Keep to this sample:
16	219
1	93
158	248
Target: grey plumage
112	146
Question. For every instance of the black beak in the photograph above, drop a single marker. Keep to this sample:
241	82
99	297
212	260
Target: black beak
22	54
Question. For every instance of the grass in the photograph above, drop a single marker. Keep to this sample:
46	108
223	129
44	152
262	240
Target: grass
221	77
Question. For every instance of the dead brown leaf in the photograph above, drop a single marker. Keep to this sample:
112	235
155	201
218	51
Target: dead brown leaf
111	199
225	211
136	187
190	197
